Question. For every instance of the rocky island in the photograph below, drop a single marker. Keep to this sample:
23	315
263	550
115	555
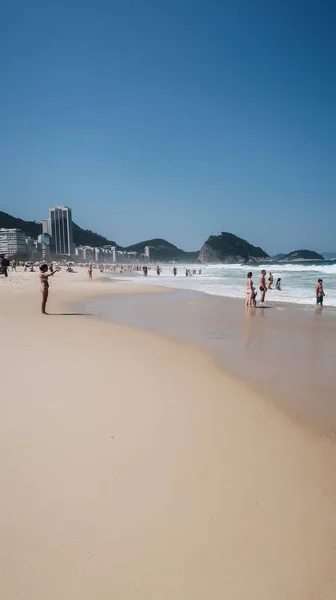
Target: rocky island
298	255
229	248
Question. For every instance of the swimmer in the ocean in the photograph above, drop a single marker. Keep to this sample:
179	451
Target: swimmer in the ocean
319	292
270	281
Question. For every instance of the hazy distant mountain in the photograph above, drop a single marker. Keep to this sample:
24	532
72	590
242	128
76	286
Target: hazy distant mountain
86	237
160	250
229	248
81	237
163	251
278	256
302	255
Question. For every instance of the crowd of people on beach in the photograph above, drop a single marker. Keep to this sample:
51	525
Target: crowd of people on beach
265	285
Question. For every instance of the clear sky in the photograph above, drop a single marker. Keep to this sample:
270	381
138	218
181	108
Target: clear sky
172	118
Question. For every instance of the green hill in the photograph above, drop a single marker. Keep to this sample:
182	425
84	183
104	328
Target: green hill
81	237
302	255
160	250
31	228
163	251
229	248
86	237
278	256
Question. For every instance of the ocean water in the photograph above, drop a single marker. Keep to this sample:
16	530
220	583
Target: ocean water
298	280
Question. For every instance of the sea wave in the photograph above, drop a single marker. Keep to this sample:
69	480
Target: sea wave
298	280
324	267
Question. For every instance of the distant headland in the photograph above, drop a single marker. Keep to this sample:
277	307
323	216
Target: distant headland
224	247
299	255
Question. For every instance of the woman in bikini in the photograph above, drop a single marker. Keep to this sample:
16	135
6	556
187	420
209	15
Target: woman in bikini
250	291
44	276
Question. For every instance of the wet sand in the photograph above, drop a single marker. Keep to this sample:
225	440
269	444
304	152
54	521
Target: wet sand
285	352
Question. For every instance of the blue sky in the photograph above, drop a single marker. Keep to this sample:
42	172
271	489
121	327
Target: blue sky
174	119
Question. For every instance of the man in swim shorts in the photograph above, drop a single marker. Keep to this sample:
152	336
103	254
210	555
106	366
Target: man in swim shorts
319	292
263	288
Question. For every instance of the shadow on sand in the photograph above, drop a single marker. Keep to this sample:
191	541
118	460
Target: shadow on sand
73	314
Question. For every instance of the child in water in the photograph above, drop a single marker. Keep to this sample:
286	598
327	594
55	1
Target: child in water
44	276
319	292
278	284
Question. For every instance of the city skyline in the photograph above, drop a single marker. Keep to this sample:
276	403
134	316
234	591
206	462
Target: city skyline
173	121
46	229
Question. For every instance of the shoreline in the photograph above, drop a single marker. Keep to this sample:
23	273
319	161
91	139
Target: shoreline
133	467
240	298
265	349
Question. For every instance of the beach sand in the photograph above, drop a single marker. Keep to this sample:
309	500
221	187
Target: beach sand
132	466
284	352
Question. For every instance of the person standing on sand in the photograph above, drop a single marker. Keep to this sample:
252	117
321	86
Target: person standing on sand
263	288
44	276
319	292
90	272
4	263
250	291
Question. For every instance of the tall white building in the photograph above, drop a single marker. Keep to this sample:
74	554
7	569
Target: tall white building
46	226
30	247
147	252
13	242
61	229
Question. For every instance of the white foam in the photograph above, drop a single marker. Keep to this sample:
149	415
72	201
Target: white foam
298	280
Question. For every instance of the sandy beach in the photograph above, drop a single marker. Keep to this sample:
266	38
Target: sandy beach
133	467
284	352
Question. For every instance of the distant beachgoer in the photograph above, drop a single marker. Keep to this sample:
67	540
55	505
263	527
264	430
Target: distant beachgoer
4	263
263	288
14	265
319	292
44	276
145	270
175	271
200	272
187	272
250	291
158	270
90	272
278	284
270	282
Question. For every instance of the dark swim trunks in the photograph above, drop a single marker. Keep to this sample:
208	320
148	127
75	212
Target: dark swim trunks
262	289
319	299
